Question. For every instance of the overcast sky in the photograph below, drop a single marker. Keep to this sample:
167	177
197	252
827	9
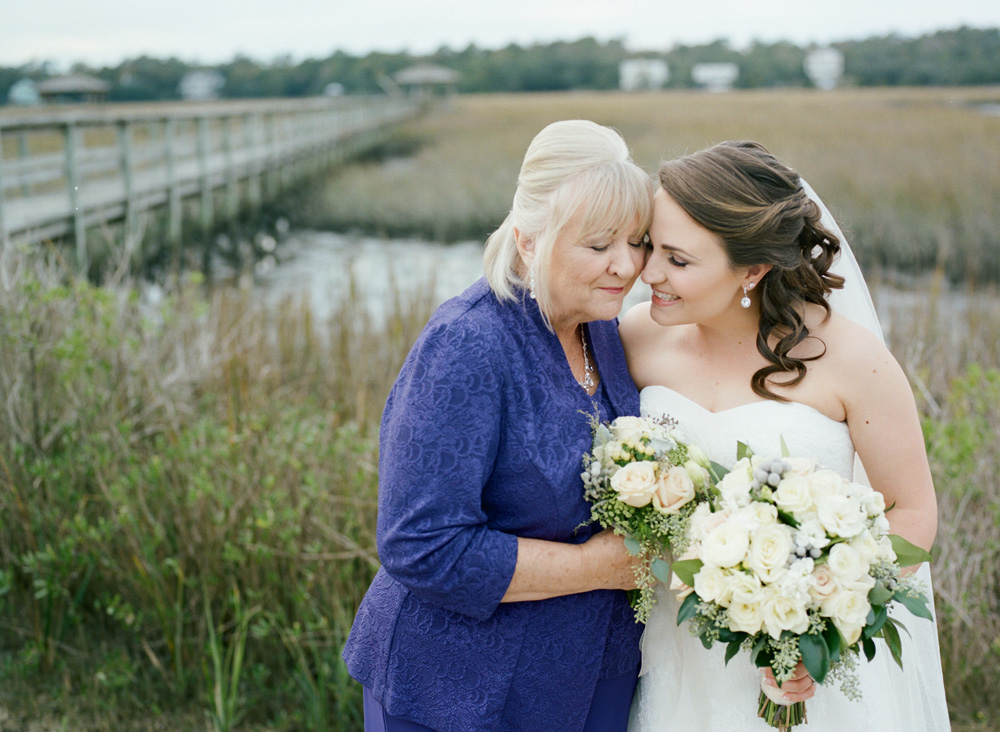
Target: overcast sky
105	32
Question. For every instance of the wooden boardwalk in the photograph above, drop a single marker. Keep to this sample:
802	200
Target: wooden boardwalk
65	170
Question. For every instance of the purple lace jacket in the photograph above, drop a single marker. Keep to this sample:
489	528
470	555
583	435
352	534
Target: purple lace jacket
482	441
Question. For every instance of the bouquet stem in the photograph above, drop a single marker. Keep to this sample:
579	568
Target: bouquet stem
781	716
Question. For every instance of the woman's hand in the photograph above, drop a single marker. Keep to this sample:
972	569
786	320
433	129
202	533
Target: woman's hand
798	688
609	562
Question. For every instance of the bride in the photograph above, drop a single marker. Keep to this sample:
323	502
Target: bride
741	269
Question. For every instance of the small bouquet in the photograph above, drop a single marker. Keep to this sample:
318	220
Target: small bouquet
642	480
792	562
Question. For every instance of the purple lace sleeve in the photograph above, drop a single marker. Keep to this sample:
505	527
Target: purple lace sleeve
438	444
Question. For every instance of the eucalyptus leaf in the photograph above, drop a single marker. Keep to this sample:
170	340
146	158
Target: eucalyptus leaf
815	656
686	569
632	546
908	554
916	605
732	649
868	645
717	471
879	594
661	570
688	608
892	640
872	629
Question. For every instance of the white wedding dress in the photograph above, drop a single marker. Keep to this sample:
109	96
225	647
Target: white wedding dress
684	687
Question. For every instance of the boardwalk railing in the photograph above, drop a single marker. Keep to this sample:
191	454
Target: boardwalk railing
63	171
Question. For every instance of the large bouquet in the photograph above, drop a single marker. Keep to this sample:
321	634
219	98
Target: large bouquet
795	563
642	481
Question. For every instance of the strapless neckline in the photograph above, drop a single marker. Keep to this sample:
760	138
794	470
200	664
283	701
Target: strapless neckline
765	403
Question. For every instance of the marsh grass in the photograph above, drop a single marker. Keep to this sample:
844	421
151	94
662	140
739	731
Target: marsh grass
911	173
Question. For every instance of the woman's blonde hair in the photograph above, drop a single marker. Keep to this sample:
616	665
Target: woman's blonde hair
571	167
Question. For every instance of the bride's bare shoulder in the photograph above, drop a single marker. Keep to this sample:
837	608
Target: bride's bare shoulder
846	343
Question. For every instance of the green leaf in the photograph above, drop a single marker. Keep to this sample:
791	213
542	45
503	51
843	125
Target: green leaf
632	546
869	648
916	605
788	518
872	629
834	641
732	649
743	450
717	471
893	641
688	608
686	569
908	554
815	656
661	570
784	448
879	594
758	654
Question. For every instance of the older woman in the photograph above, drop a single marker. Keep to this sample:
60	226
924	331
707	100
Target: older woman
497	607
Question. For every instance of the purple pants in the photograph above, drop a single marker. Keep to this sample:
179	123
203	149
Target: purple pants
608	709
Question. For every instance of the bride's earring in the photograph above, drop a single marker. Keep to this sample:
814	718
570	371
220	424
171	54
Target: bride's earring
745	302
531	281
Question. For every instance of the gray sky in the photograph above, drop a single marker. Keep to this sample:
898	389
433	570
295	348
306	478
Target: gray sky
104	32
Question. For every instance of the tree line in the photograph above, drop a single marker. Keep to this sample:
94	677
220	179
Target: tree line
964	56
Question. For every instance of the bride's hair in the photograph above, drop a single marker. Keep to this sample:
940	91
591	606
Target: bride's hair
756	205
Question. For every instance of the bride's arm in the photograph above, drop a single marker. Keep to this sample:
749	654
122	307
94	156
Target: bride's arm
885	427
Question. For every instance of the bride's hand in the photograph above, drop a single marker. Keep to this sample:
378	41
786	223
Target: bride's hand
609	562
798	688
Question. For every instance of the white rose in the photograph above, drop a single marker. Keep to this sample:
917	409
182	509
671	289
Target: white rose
793	495
699	519
840	516
745	617
627	429
735	485
874	504
825	584
845	562
800	466
885	552
766	513
880	526
673	490
780	613
726	545
711	585
866	546
848	609
635	482
825	483
770	548
744	588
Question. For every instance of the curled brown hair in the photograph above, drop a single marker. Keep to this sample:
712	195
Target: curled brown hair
756	205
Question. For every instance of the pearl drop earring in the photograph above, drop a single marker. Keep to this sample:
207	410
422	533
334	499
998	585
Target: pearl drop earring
745	302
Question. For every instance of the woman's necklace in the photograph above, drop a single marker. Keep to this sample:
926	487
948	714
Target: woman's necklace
588	370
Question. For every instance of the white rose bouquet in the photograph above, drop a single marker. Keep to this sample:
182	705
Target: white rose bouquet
642	480
795	563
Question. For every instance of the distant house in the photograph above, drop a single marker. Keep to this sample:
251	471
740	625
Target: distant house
642	73
715	76
74	88
824	67
24	93
201	85
425	80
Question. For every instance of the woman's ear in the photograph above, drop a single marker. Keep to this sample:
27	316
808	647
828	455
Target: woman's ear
755	273
525	247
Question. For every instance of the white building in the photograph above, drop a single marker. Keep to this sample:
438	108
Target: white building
824	67
201	85
24	93
716	76
642	73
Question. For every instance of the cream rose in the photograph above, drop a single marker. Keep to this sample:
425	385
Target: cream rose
800	465
628	428
770	548
840	516
674	489
744	588
711	584
793	495
745	616
726	545
846	563
848	609
825	584
866	546
825	483
735	485
780	613
874	504
635	483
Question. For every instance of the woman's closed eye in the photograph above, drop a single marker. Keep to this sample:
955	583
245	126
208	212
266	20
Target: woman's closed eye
677	262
